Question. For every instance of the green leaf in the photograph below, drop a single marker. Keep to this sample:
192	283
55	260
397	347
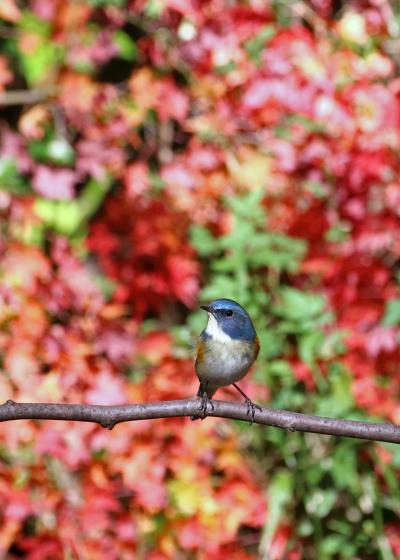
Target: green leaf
157	183
338	232
391	316
309	345
340	401
10	178
92	196
62	216
298	305
321	502
316	188
227	264
203	241
278	372
248	206
52	149
222	284
280	494
256	44
271	344
333	545
69	216
126	45
59	151
225	68
105	3
344	467
275	250
308	124
37	65
332	345
315	344
154	8
105	284
34	24
242	231
305	528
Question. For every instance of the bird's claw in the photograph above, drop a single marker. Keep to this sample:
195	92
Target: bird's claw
251	409
205	400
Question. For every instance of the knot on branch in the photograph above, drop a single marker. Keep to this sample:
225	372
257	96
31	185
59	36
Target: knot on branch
107	424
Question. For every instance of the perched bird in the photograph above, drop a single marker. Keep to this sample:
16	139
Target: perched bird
226	349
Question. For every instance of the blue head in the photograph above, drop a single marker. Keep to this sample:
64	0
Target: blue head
226	317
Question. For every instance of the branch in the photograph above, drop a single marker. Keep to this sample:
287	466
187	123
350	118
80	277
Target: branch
109	416
26	96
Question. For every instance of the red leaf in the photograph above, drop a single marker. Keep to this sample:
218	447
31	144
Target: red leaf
190	534
19	505
177	104
107	390
136	179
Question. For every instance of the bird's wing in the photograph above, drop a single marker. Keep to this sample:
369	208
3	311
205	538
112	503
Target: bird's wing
199	353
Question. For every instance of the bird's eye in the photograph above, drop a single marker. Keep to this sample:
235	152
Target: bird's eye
229	313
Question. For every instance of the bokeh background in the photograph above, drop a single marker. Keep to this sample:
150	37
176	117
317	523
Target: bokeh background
159	153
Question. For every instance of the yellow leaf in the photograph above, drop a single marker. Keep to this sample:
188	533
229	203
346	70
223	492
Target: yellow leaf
190	497
352	28
250	169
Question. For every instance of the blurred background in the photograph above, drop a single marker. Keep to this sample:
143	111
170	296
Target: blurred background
159	153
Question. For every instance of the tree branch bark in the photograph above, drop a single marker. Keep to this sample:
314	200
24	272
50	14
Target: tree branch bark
109	416
26	96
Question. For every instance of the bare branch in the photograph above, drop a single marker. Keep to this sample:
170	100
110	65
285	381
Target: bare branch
26	96
109	416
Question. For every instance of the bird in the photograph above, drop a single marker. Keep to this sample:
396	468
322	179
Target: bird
226	350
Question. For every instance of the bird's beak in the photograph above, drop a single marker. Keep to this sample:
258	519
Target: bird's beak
207	308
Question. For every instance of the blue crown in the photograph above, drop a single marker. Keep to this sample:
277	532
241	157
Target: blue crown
232	318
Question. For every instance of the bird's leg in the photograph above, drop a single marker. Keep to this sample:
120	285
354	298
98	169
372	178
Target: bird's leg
251	407
205	400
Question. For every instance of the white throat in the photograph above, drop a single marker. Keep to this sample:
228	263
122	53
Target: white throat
214	330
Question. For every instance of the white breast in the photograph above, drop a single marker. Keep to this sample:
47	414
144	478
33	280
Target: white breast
226	360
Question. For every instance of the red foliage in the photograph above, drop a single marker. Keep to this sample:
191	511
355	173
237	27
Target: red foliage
142	244
54	311
219	99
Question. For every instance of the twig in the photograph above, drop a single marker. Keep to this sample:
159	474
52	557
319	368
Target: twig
25	96
109	416
165	138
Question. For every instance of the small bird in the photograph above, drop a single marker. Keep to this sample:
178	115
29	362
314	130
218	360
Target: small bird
226	350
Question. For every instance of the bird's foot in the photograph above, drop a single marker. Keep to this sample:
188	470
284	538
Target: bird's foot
203	410
205	401
251	409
